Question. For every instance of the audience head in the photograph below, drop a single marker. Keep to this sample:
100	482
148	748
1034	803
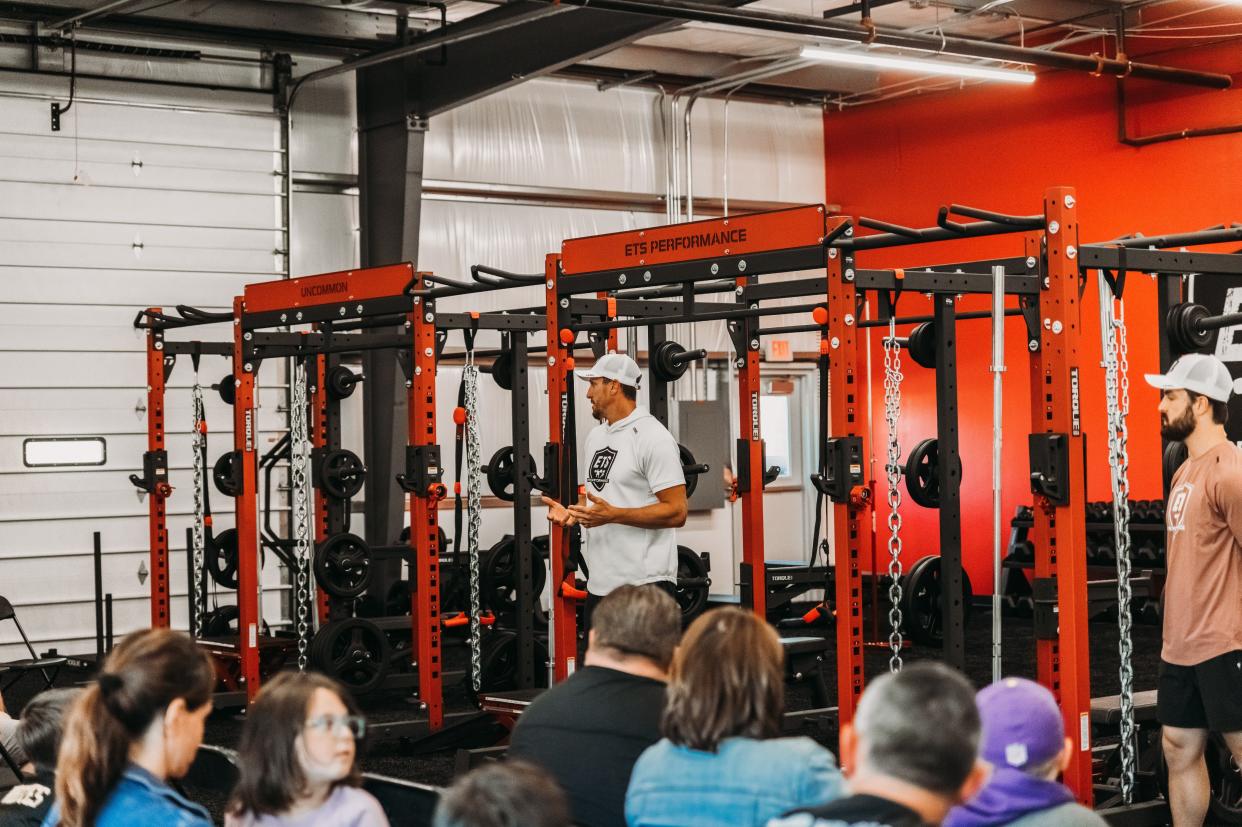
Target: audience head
503	794
42	724
151	699
919	726
637	621
1023	728
299	739
727	680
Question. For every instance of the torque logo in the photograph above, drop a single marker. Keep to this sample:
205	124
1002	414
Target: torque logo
249	431
1075	417
755	434
313	290
1179	498
601	466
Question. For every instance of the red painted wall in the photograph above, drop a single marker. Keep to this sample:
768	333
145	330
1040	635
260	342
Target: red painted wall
1000	148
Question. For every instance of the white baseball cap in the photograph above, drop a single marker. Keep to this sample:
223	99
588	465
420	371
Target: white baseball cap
1197	372
615	366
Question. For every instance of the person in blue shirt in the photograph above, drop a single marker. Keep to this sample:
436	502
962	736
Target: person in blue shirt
720	762
138	725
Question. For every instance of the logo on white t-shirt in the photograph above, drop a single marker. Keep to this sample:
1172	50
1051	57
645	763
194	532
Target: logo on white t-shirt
601	465
1178	499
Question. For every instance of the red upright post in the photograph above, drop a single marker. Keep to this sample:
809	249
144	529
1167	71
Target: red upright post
1063	661
424	513
318	421
851	520
157	501
245	436
564	607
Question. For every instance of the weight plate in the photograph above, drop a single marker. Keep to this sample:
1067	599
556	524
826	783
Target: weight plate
343	566
222	622
500	470
341	473
662	364
354	651
692	583
922	474
922	602
690	467
220	558
1175	453
498	575
225	473
502	369
227	389
498	661
921	345
341	382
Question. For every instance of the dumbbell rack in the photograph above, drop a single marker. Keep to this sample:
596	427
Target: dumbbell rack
1146	538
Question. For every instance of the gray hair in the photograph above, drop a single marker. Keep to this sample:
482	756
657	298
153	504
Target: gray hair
920	725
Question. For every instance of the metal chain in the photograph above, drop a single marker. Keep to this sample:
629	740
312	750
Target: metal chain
892	468
474	504
198	600
303	506
1117	398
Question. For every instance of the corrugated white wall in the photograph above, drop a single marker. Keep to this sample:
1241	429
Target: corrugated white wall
146	196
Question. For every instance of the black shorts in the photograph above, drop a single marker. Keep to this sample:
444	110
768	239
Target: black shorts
1207	695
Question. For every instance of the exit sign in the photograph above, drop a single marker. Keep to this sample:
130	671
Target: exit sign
778	350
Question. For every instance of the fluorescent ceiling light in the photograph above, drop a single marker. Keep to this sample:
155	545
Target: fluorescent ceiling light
910	64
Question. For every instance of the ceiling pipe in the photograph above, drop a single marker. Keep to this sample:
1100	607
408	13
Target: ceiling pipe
815	27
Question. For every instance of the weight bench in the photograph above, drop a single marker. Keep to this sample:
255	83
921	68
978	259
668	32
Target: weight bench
804	661
1106	710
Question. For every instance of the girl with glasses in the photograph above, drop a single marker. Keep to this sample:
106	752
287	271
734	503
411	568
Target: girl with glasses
298	759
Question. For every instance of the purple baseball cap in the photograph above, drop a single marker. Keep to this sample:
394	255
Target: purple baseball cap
1022	725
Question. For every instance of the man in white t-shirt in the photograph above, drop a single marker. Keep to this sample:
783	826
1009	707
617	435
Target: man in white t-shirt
634	495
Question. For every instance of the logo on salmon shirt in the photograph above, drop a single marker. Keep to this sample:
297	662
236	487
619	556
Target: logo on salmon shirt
1178	499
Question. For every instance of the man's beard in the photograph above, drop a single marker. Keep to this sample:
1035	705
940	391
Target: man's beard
1178	429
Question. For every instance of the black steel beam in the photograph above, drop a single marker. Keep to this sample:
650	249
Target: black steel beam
950	481
526	595
1165	262
930	281
493	62
706	269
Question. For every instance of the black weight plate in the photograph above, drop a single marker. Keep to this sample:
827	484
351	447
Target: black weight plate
922	473
662	364
354	651
498	575
341	473
692	583
922	345
500	473
227	389
222	622
220	558
225	473
922	602
502	369
1175	453
343	566
341	382
688	462
498	661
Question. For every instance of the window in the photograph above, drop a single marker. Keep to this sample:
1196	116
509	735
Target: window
777	431
42	452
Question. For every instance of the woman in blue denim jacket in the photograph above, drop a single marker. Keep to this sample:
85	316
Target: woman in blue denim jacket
720	762
140	724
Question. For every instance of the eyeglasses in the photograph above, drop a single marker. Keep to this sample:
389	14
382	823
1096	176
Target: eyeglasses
353	725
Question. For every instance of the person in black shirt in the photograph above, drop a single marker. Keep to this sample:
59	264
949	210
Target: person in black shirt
38	736
911	753
589	730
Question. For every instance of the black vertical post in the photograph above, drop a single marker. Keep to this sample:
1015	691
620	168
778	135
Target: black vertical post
98	554
526	597
1169	291
190	584
657	390
950	480
108	620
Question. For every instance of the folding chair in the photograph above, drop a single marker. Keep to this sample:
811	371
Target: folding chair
18	669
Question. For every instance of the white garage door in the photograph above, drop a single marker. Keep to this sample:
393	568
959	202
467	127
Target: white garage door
132	204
